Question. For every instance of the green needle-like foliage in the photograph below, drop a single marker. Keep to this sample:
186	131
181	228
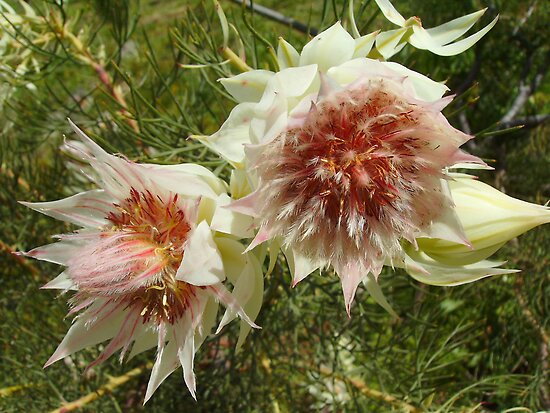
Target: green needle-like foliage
140	78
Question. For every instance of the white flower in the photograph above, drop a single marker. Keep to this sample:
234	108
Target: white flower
149	261
347	159
439	40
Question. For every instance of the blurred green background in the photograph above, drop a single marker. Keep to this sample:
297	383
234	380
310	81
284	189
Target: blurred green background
482	347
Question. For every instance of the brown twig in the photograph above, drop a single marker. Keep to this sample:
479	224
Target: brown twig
278	17
372	393
108	388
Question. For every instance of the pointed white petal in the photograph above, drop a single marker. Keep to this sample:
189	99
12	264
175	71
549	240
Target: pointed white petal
59	252
329	48
455	254
228	141
234	258
254	304
363	44
166	362
243	290
287	56
471	166
143	342
199	181
300	266
421	39
453	29
83	333
86	209
376	292
202	263
186	355
353	70
447	275
389	42
247	86
448	226
424	87
114	174
61	282
239	184
295	81
228	221
225	297
390	12
208	321
351	276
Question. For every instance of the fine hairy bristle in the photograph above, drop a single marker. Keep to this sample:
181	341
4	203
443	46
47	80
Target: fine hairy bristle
134	261
360	174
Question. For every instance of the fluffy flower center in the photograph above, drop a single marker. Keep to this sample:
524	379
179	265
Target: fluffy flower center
362	172
136	259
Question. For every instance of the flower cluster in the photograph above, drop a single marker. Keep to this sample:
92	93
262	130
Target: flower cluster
341	160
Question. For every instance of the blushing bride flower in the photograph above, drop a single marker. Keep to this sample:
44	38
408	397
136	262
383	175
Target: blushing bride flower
147	264
348	159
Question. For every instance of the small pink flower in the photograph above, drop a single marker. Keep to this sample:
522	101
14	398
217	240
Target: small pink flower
146	269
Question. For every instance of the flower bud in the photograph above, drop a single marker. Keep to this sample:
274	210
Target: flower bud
489	217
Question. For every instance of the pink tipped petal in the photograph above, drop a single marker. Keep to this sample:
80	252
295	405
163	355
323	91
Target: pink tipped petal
262	236
461	157
230	302
202	264
59	252
300	266
87	209
122	340
85	332
228	221
245	205
351	276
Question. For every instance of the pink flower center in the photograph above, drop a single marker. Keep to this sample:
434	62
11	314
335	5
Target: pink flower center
135	261
362	172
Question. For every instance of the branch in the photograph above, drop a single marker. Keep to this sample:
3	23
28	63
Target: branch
278	17
526	88
372	393
526	122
